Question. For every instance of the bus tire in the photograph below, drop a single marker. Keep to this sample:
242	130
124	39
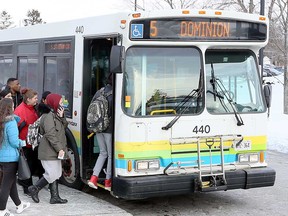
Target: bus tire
71	167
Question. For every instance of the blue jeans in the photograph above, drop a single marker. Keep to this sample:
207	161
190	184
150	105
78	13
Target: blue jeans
105	145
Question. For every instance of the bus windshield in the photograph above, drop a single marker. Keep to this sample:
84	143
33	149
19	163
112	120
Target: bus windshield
236	82
158	79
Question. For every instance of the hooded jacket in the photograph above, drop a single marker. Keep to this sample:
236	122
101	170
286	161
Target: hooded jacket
54	139
11	142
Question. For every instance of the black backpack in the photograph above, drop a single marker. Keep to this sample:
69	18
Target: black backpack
98	112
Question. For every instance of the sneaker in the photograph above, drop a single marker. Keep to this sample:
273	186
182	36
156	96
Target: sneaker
22	207
93	182
6	212
108	183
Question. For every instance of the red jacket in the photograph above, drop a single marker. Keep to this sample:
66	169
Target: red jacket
28	114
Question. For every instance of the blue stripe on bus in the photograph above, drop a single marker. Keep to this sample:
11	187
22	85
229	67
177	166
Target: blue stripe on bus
122	163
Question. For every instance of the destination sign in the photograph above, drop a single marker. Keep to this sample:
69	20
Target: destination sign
204	29
58	47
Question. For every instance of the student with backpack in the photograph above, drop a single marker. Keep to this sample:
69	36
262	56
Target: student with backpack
52	149
104	137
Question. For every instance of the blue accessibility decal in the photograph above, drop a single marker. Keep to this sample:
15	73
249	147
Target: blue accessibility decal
137	30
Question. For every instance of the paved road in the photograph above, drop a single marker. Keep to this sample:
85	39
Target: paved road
257	201
79	203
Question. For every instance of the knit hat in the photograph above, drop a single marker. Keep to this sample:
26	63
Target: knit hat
53	101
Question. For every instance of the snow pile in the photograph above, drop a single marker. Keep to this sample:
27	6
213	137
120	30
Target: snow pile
278	121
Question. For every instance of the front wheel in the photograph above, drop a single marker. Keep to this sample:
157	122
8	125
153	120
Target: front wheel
71	167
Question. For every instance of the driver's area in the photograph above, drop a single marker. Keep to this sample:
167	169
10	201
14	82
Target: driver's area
232	82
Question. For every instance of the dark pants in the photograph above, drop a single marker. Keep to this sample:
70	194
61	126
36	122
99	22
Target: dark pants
34	165
8	186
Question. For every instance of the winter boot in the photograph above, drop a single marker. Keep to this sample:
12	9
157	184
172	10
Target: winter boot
55	198
34	189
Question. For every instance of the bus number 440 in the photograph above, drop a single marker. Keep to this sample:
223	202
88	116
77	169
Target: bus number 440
201	129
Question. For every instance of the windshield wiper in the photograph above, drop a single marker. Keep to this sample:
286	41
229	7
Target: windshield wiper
215	82
195	93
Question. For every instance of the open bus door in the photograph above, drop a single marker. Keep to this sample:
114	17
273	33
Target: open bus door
95	74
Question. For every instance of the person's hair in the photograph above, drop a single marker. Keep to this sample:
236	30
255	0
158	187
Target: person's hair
6	109
4	92
12	79
28	93
44	95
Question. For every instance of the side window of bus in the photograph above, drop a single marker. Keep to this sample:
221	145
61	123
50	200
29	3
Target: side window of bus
28	72
5	70
57	78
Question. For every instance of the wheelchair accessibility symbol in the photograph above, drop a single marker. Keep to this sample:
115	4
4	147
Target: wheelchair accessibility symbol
137	31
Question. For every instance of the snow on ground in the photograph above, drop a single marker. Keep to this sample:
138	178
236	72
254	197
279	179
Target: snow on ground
278	121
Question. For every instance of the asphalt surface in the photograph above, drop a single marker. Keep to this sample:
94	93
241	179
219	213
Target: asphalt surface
79	203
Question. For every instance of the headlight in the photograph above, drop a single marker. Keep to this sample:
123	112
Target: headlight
141	165
254	158
249	158
243	158
147	165
154	164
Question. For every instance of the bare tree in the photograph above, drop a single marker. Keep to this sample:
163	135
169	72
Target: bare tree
5	20
279	41
163	4
182	4
33	18
246	6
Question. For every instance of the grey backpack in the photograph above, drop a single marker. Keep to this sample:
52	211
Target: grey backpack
98	110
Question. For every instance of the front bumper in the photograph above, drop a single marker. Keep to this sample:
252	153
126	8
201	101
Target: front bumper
133	188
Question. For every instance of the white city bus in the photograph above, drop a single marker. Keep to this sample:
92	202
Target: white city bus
189	111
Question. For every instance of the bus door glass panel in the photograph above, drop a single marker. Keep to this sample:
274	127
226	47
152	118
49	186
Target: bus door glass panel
236	78
100	52
157	79
5	70
57	79
28	72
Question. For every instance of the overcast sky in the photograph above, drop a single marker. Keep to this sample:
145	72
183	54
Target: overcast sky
58	10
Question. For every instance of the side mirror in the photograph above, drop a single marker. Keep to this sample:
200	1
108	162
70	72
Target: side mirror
116	59
268	94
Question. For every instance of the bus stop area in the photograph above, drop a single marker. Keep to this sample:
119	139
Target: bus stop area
79	203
